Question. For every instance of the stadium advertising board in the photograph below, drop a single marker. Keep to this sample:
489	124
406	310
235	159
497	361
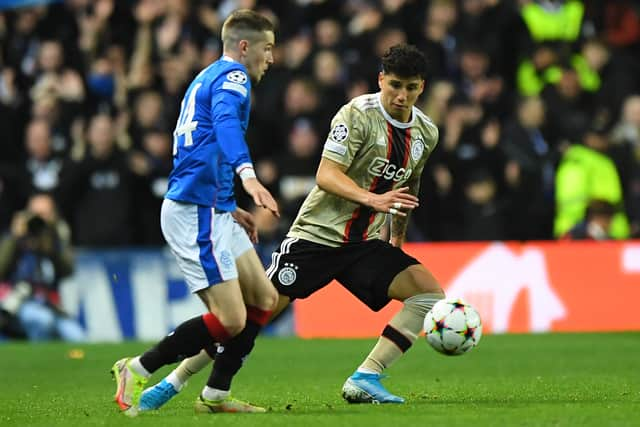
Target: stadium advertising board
534	287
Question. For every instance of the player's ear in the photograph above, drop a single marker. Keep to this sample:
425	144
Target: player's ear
243	47
421	87
380	79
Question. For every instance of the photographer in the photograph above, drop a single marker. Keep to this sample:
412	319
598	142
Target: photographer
34	257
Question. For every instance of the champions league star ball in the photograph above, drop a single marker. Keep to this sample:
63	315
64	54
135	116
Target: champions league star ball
453	327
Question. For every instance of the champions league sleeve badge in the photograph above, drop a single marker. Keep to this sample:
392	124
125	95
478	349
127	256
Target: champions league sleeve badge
339	133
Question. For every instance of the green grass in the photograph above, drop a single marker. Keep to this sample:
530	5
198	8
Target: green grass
509	380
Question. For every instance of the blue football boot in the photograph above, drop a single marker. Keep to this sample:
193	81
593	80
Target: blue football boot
366	388
156	396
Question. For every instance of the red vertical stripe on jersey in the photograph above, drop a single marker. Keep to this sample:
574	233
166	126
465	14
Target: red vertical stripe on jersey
361	212
407	147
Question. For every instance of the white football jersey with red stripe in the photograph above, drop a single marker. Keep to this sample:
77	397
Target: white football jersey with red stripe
379	154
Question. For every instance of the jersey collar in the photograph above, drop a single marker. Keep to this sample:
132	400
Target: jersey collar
393	121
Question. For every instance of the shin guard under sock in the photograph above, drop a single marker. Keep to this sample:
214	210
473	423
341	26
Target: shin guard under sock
231	356
185	341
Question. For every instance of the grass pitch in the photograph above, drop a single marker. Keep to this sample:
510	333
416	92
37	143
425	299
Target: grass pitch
509	380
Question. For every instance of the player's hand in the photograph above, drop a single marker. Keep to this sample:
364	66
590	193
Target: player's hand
245	219
395	202
261	196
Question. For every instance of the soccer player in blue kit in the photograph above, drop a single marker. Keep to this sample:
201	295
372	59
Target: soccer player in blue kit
209	235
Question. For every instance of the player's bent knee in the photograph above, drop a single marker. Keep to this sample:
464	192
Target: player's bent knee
233	323
423	280
422	303
414	280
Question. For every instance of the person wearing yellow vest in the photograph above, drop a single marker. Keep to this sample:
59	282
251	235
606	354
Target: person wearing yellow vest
553	20
586	173
552	23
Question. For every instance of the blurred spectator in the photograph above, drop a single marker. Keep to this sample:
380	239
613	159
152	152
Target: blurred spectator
626	153
596	224
531	158
151	167
11	104
66	62
34	257
611	75
478	84
618	22
483	212
553	20
42	168
438	40
569	108
297	167
98	190
13	193
328	72
148	114
586	173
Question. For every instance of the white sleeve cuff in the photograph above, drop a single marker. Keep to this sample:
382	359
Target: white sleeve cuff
245	171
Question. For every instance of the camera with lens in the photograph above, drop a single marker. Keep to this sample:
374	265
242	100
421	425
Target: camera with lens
36	226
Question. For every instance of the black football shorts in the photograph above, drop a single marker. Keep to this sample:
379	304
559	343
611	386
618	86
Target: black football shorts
366	269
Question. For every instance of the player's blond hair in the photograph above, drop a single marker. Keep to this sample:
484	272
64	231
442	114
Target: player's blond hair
244	24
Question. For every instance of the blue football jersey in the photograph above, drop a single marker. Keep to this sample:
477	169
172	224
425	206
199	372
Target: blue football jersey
208	141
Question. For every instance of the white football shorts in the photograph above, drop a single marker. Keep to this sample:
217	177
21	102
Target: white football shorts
205	244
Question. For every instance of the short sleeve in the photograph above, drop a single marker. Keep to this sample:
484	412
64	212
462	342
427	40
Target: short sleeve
346	135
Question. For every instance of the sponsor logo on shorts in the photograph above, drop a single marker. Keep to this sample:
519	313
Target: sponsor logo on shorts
287	275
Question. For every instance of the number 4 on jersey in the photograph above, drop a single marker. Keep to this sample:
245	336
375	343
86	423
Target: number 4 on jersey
186	124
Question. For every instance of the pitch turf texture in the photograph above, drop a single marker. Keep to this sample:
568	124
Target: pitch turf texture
519	380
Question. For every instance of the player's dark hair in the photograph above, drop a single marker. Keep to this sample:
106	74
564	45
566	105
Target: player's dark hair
245	24
404	61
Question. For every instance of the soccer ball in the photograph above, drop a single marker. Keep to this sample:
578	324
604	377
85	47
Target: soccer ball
453	327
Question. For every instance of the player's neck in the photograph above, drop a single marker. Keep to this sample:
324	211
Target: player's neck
402	122
230	56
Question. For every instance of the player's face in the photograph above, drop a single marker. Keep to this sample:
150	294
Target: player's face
259	55
399	94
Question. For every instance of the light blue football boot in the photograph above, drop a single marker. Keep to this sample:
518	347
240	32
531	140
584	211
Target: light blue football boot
156	396
366	388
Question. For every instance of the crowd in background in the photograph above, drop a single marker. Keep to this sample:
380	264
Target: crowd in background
537	102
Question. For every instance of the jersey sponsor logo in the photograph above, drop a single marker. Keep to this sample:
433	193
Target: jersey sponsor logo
237	76
381	167
339	133
288	275
417	149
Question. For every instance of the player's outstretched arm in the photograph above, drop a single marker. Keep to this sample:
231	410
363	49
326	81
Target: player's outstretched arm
331	177
261	196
